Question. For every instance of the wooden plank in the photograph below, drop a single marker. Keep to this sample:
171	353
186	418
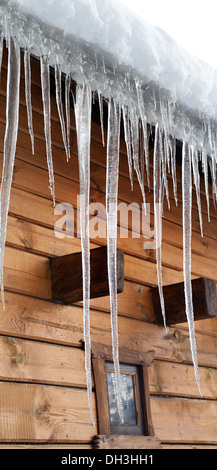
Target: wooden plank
27	273
127	356
204	301
117	441
136	299
45	446
23	269
36	413
37	319
146	401
208	267
184	420
67	277
167	378
188	446
40	210
101	395
33	361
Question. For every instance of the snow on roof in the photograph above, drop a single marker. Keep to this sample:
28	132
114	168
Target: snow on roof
109	27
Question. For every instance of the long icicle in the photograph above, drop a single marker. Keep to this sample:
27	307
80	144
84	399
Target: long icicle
68	116
206	181
83	108
10	141
101	116
45	85
58	83
128	142
194	159
112	172
186	208
158	216
27	71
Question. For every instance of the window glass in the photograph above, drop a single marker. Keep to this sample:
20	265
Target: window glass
127	382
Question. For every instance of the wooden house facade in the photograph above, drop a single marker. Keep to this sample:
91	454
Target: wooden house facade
43	396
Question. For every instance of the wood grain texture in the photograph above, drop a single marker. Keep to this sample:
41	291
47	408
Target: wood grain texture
101	395
184	420
127	356
37	319
204	301
34	361
174	379
66	275
39	413
116	441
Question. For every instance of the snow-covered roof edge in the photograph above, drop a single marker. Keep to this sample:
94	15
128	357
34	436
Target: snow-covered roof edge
165	72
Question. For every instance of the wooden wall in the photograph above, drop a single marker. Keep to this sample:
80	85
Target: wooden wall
43	397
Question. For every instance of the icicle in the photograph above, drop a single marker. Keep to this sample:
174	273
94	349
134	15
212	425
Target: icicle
172	146
186	207
158	216
67	107
162	156
128	143
194	159
27	70
134	125
58	83
113	142
45	85
101	116
206	182
83	126
213	176
10	141
144	128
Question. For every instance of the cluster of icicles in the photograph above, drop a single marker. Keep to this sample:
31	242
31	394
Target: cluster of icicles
137	134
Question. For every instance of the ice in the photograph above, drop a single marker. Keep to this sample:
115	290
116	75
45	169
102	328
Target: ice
157	182
128	142
112	171
45	85
135	140
186	207
58	83
206	182
172	148
101	116
83	108
27	71
195	161
10	141
145	144
67	108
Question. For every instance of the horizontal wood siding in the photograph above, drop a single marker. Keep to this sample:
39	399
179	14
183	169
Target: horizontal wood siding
43	397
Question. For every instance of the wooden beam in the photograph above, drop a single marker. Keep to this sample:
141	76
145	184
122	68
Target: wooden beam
66	275
126	356
101	395
116	441
204	301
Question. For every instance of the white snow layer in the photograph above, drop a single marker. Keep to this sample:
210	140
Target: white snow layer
148	81
134	43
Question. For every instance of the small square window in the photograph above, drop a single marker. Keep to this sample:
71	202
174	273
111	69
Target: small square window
136	430
130	400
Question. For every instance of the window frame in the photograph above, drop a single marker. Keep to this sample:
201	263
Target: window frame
102	354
